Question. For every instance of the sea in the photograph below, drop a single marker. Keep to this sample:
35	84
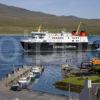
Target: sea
12	55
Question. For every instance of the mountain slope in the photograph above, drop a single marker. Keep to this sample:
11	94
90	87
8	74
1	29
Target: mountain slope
16	20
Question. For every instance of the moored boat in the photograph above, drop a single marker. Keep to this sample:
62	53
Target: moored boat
37	69
31	75
24	81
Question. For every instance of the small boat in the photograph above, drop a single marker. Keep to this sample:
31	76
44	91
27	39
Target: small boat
65	67
37	69
24	82
31	75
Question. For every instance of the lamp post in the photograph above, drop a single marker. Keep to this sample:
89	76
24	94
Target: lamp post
69	83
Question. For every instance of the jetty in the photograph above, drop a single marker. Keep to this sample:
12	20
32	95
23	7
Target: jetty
13	77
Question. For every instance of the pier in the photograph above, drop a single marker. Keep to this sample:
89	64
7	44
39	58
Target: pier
13	77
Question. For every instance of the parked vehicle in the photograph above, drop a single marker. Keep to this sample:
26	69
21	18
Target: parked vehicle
16	87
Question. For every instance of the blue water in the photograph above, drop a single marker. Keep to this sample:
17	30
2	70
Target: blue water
12	55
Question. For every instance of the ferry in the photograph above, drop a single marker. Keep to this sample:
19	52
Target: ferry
45	41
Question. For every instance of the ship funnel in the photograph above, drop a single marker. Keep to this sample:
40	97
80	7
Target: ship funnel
39	29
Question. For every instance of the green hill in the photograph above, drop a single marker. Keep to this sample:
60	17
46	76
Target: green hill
17	20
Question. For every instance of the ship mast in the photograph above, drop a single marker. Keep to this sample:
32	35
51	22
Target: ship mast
39	29
78	27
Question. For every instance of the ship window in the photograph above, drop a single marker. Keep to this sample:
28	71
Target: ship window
57	37
33	36
39	34
36	37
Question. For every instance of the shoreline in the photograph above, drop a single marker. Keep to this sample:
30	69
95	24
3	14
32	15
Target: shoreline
76	82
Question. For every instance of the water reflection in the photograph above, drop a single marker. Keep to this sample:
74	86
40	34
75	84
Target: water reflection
69	57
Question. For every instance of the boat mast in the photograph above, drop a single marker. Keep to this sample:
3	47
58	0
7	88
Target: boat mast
39	29
78	27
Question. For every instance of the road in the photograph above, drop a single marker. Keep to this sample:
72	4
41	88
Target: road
28	95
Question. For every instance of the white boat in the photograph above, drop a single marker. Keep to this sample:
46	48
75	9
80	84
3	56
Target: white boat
37	69
31	75
24	80
65	66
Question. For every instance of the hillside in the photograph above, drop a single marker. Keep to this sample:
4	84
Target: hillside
16	20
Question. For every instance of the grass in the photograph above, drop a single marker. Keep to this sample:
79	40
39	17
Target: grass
97	68
80	80
76	82
12	29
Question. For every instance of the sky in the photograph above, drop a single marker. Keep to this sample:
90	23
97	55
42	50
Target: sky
80	8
